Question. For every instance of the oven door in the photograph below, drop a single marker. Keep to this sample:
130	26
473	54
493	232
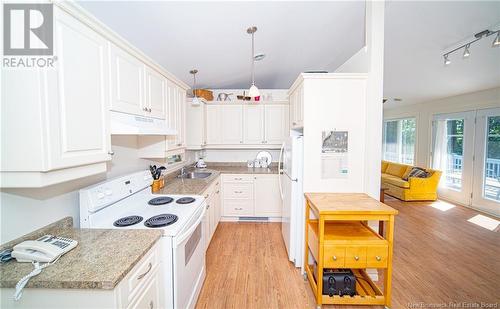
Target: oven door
189	261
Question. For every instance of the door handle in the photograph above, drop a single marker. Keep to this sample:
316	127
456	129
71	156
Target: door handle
145	273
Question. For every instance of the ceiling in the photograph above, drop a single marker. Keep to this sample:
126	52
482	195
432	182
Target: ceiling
302	36
211	36
416	35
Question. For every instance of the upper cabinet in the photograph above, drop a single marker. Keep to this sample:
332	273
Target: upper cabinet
296	96
253	124
55	123
231	124
156	98
239	126
276	128
127	83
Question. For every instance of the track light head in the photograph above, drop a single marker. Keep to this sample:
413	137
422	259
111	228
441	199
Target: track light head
447	61
496	42
466	52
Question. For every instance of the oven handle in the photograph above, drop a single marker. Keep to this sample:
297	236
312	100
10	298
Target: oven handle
178	240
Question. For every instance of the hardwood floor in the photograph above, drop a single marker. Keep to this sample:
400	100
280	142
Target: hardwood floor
439	258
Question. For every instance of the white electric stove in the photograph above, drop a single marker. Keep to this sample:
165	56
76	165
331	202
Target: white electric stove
127	203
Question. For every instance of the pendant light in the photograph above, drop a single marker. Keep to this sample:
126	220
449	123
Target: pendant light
496	41
253	91
195	100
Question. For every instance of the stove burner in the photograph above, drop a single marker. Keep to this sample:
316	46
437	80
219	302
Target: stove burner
160	220
127	221
185	200
160	200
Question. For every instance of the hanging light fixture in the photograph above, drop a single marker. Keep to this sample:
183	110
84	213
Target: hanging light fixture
466	51
195	100
496	41
253	91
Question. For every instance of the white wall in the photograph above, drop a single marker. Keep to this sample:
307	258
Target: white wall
424	112
25	210
233	155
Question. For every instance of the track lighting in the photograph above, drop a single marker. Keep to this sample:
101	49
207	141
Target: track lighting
496	42
446	60
466	52
478	36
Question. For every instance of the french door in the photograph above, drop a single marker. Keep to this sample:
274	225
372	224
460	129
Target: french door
453	140
466	148
486	187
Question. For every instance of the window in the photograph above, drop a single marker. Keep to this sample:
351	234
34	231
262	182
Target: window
399	140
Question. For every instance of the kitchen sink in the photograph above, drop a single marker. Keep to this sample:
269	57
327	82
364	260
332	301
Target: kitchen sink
195	175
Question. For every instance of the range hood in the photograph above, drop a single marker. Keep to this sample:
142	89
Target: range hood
126	124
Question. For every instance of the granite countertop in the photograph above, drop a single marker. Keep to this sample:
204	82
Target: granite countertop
100	261
181	186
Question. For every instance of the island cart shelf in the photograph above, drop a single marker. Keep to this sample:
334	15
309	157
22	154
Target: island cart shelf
337	236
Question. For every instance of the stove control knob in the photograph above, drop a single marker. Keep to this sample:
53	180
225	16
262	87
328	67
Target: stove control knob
108	192
100	195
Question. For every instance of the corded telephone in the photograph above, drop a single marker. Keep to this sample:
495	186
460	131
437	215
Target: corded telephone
46	249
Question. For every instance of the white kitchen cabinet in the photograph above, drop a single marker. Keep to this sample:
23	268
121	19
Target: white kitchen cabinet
249	195
195	117
156	101
142	287
213	210
213	125
231	124
127	82
296	96
253	124
276	124
55	122
267	196
176	104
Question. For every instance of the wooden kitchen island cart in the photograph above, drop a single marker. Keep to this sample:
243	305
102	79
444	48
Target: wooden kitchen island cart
337	236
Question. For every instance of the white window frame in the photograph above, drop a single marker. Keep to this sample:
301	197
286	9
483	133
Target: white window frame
399	137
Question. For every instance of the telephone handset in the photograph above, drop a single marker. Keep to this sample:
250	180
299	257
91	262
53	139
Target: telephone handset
47	249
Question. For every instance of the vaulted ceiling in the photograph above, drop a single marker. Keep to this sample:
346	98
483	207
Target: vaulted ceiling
303	36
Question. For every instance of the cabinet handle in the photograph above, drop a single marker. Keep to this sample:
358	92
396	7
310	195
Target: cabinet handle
111	153
238	192
145	109
378	258
294	123
206	196
151	305
241	142
217	192
356	258
238	209
334	258
179	144
150	110
238	178
147	271
208	206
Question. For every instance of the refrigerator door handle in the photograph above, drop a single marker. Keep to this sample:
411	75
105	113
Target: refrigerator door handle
280	171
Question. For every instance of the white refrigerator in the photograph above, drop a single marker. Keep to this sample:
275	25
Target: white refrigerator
292	195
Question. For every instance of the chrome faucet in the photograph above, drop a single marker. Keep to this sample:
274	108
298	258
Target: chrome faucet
183	170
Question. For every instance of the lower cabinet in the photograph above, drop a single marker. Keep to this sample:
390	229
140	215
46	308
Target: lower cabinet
213	211
251	195
142	287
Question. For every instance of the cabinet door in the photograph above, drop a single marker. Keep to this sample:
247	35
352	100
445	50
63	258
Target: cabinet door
206	228
217	205
78	113
213	125
181	117
127	82
299	112
275	124
211	217
155	94
172	113
267	196
253	124
232	124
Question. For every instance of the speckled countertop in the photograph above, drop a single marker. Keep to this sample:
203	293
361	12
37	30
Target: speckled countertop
198	186
100	261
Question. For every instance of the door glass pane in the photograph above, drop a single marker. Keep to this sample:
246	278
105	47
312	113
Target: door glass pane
492	162
408	140
454	153
391	141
